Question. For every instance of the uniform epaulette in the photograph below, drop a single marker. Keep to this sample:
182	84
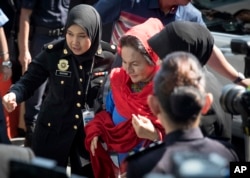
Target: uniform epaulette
108	47
105	47
54	45
142	151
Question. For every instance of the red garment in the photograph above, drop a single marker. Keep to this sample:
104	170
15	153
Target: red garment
117	138
122	137
12	119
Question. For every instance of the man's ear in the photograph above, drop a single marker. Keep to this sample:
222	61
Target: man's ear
153	104
208	103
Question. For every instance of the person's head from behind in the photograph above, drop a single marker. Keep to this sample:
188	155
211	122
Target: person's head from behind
138	59
183	36
83	30
179	97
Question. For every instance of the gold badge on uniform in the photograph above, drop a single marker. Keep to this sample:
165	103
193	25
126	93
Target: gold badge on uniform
63	64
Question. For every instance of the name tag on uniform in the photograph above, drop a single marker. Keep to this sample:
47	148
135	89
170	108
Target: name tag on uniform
63	73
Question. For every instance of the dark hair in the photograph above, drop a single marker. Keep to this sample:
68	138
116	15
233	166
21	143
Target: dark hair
179	86
132	41
242	15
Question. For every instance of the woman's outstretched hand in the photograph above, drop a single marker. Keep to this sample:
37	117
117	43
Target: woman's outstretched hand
9	102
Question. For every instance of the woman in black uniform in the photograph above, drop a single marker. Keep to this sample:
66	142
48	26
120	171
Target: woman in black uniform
68	64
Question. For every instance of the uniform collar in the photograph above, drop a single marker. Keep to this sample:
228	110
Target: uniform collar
183	135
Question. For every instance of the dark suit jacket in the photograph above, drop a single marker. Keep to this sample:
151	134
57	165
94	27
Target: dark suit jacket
158	157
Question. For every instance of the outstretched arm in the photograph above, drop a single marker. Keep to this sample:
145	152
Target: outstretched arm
220	64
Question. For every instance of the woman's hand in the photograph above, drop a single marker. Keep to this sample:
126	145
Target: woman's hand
144	127
9	102
93	145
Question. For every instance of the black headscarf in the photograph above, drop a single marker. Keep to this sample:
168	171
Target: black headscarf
89	19
183	36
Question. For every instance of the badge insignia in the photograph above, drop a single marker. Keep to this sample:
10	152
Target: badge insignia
63	64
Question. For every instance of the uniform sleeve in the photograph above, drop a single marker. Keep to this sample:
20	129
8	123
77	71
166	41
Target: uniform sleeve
3	18
36	75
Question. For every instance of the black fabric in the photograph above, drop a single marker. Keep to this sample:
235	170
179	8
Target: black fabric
84	16
103	65
222	121
152	158
196	39
183	36
76	2
3	130
107	28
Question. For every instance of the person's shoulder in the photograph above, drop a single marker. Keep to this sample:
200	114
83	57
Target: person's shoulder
106	46
225	144
190	9
154	149
54	45
190	13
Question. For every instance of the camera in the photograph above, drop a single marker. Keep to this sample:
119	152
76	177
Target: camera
235	100
240	46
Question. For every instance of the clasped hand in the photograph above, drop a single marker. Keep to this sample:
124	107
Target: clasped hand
9	102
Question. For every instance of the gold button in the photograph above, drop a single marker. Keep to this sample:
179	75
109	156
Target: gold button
49	124
77	116
78	105
99	51
80	67
50	46
62	82
79	92
75	127
80	79
112	46
65	51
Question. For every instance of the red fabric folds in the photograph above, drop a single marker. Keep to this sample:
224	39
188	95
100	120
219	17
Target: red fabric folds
122	138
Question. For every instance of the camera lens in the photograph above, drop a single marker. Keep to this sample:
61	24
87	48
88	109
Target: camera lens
230	99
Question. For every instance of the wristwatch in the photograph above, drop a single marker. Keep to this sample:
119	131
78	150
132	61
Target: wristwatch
240	77
7	64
